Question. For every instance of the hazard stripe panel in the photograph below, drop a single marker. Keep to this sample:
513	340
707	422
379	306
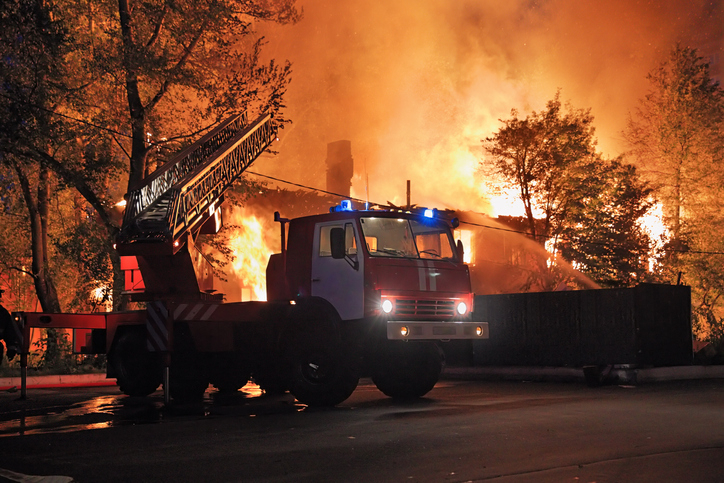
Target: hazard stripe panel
157	327
194	311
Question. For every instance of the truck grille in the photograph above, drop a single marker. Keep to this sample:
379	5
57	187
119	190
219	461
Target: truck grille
421	308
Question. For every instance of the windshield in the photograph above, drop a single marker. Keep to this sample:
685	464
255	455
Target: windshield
401	238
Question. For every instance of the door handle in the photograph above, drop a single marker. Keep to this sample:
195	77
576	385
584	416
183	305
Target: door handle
316	280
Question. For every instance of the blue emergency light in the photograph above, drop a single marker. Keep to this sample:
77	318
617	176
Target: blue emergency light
344	205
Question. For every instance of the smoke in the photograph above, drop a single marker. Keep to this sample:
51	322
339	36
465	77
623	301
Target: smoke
416	85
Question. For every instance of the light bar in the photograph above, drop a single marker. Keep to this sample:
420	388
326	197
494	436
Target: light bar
344	205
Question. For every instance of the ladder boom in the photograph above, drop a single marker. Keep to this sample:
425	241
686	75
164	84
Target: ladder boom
182	194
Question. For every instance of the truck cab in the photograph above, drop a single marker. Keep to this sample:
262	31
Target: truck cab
398	266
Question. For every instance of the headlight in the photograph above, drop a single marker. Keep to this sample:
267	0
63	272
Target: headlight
479	331
387	306
404	331
462	308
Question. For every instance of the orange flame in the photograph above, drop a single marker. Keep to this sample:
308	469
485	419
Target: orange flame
251	252
653	224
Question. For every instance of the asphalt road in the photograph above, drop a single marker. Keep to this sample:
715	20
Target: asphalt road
463	431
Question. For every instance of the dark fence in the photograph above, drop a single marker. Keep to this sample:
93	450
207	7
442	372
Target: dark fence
648	325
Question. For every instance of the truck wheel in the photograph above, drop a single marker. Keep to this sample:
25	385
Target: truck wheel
230	383
188	379
187	389
322	377
323	367
138	371
272	382
229	375
407	370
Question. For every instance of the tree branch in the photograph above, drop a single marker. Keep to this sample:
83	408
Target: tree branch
80	184
21	270
157	29
182	61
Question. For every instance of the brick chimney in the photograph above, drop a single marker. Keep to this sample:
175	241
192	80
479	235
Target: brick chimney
340	167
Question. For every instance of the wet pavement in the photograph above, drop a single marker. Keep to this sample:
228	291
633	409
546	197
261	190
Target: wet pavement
463	431
57	410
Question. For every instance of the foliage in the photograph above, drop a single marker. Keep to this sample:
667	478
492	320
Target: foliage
542	157
52	354
31	41
14	249
603	235
588	206
676	136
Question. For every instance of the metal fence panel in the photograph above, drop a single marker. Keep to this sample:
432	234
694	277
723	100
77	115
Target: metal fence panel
648	325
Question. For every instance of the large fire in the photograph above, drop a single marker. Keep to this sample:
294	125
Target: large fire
653	224
250	247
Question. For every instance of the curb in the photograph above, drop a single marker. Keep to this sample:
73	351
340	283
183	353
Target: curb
522	373
59	380
623	374
679	373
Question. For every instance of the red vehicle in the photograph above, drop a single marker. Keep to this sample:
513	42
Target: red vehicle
352	293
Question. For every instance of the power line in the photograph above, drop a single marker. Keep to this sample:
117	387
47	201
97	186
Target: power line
346	197
480	225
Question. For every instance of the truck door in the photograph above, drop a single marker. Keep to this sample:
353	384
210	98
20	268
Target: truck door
339	281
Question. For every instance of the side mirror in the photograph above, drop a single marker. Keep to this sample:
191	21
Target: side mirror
336	239
460	250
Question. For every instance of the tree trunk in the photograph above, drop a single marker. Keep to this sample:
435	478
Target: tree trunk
38	217
135	105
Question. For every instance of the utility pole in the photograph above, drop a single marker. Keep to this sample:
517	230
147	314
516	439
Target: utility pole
408	195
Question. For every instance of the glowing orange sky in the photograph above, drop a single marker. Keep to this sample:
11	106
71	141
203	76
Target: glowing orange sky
415	85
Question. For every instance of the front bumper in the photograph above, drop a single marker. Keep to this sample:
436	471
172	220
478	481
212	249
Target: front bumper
436	330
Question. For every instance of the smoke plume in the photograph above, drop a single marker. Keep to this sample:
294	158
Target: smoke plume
416	85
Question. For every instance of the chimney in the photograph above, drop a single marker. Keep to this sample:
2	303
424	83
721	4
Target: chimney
340	167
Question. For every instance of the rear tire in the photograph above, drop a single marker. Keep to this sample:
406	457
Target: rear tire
188	378
272	382
229	374
138	371
406	370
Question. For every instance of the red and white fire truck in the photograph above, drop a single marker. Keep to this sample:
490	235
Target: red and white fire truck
353	292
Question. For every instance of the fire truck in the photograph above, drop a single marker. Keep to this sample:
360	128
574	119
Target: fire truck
353	292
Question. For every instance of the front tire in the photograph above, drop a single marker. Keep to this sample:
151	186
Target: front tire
323	366
322	377
407	370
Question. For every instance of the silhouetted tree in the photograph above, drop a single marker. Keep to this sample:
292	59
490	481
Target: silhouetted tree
676	136
583	207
